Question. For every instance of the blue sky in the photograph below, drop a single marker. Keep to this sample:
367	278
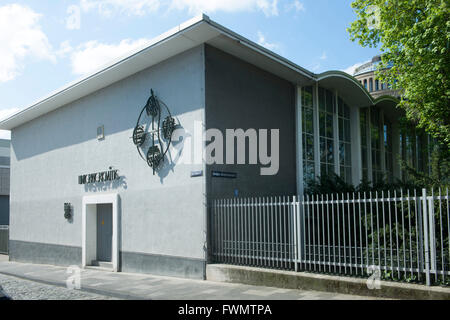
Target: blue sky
44	44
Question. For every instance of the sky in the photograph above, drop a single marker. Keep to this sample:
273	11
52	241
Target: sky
45	44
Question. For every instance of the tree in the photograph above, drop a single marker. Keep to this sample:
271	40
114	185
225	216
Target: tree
414	39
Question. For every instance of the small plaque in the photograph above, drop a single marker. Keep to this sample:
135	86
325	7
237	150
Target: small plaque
227	175
196	173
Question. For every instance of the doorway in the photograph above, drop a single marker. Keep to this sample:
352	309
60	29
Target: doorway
100	230
104	232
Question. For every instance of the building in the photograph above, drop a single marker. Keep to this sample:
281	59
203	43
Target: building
4	181
85	191
365	74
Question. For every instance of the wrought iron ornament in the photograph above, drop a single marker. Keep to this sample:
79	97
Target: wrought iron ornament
152	135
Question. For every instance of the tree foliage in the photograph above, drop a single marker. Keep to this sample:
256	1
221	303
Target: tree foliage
414	38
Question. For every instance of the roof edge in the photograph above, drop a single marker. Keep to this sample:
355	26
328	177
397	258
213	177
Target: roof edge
151	43
345	75
262	50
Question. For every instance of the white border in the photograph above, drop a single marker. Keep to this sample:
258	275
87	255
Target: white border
98	199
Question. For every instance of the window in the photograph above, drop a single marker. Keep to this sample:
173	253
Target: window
370	85
414	150
376	136
377	85
308	133
345	154
387	133
364	155
422	154
365	83
326	131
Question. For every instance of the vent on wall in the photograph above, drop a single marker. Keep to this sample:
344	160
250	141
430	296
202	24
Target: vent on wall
100	132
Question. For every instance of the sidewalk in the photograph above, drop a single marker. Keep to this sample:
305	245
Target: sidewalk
142	286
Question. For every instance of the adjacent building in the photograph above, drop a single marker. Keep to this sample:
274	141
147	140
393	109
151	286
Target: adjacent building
365	74
94	174
4	181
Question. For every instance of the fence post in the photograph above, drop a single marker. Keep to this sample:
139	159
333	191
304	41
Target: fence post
432	234
294	215
425	236
299	230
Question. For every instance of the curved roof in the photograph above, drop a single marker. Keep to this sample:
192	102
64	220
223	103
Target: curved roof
351	90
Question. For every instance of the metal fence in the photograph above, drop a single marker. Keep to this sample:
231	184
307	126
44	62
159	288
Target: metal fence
405	235
4	239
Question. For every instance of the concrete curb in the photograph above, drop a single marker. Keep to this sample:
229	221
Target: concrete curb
83	288
327	283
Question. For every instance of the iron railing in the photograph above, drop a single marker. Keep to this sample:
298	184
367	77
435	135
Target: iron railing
4	239
403	234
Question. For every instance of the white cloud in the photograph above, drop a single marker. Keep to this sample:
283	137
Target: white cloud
323	56
130	7
262	41
269	7
20	37
5	113
64	49
142	7
295	5
351	70
73	21
92	55
299	6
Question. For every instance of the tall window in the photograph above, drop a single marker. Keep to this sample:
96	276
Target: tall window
326	131
414	148
365	83
345	154
422	152
387	132
364	155
370	85
377	85
377	172
308	133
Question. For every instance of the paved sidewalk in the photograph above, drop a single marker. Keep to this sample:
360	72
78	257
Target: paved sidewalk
142	286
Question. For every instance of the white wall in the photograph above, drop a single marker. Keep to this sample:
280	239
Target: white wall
159	214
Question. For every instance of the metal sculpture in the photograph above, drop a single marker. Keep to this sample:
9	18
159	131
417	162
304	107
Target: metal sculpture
153	135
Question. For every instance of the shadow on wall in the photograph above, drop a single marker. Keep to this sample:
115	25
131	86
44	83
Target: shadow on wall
176	150
107	185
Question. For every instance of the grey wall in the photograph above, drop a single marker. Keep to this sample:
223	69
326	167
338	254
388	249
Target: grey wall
160	214
239	95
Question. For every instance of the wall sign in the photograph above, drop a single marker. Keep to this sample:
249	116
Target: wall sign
104	176
196	173
152	135
221	174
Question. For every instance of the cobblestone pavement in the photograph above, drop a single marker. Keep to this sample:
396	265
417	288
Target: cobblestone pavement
20	289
